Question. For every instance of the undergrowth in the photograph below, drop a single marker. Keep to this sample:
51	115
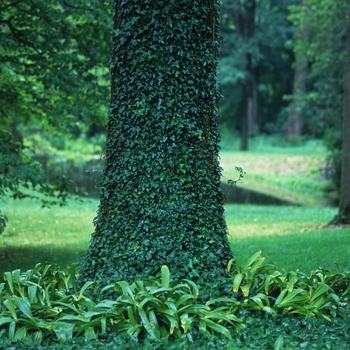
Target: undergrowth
45	307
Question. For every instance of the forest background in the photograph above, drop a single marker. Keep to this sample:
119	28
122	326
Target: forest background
281	73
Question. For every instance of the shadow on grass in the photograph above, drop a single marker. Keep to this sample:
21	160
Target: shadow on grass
240	195
23	258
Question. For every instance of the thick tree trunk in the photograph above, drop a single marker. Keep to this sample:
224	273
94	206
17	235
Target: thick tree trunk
160	199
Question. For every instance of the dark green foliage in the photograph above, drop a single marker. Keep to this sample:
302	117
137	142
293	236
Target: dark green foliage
325	50
53	74
160	196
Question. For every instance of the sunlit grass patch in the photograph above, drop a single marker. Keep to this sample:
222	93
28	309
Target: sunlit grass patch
290	237
294	173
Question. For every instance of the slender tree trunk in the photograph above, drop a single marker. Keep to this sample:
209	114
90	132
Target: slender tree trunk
244	19
160	199
295	117
343	216
344	204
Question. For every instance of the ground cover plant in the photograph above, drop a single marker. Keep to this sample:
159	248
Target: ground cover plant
44	305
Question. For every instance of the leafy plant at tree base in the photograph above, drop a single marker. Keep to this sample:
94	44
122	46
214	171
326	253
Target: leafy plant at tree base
44	305
264	288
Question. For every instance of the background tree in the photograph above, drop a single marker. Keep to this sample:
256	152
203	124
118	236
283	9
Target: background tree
160	200
322	103
266	46
343	216
295	116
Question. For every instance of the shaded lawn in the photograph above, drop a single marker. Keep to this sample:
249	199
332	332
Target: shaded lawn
35	234
290	237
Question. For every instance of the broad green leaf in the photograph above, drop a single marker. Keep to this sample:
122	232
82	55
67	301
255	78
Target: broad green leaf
221	300
237	282
252	260
86	285
194	288
9	304
72	279
202	327
279	343
63	330
32	294
217	328
172	319
150	328
90	333
320	290
21	334
186	322
132	316
292	279
245	290
183	299
195	309
257	264
165	276
293	298
229	265
8	278
4	320
126	289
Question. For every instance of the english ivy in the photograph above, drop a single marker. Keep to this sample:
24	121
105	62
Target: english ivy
161	201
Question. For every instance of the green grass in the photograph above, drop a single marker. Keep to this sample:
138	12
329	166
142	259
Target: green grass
35	234
290	173
290	237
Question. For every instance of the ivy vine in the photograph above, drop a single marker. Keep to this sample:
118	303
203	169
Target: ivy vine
161	201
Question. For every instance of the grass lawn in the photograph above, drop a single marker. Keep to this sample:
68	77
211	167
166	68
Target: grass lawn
35	234
290	237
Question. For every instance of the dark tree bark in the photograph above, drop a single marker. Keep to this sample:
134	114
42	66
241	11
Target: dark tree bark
244	19
343	216
160	199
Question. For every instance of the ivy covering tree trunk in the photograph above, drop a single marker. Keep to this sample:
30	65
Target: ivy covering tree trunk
160	198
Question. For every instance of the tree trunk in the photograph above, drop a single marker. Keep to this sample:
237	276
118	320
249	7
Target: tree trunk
295	117
160	200
343	216
344	204
244	19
